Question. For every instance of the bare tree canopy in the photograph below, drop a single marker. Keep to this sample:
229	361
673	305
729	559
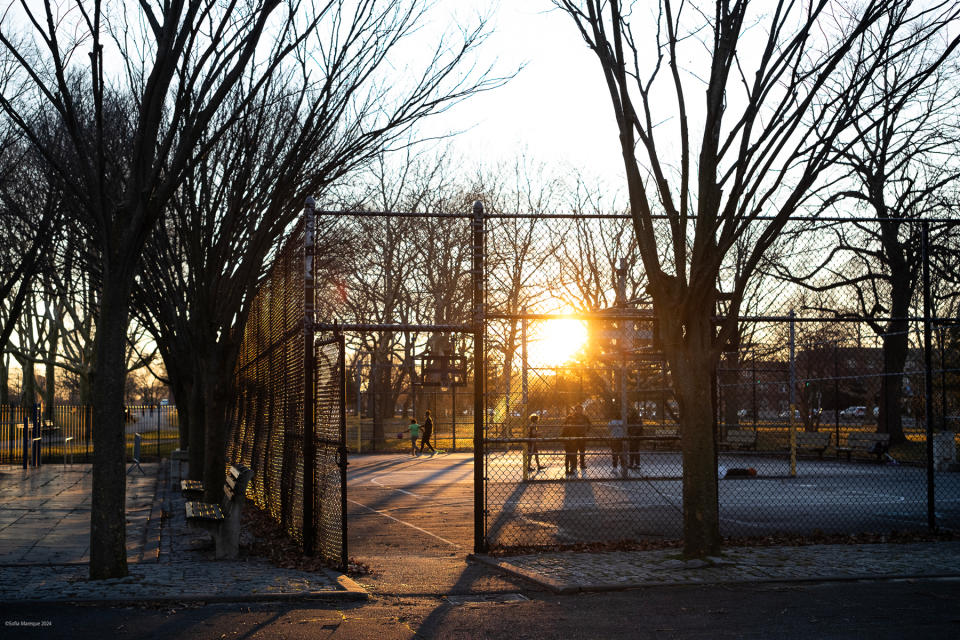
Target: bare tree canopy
199	124
785	92
120	142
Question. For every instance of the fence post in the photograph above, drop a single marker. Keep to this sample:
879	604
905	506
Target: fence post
928	373
477	273
309	448
358	412
26	436
793	395
525	393
342	447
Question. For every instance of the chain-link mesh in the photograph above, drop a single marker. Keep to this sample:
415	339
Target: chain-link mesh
819	401
330	478
268	419
402	277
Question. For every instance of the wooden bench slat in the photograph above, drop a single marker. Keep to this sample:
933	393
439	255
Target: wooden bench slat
204	511
191	485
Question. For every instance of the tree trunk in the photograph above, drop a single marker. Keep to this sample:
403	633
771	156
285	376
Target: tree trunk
4	379
692	382
218	383
108	552
28	390
895	347
687	343
50	380
83	387
181	396
196	434
215	432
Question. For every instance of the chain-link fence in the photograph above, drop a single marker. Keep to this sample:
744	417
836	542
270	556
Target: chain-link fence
820	400
267	431
833	401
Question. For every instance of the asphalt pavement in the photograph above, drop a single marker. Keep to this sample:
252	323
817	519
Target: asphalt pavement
411	523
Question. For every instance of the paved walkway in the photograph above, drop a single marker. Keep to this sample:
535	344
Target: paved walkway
44	531
44	547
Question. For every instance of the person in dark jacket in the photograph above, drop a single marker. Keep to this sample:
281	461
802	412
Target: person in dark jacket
580	423
569	446
426	430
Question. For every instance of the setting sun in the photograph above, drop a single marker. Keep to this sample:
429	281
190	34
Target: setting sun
555	342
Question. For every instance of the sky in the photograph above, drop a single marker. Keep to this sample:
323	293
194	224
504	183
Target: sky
555	111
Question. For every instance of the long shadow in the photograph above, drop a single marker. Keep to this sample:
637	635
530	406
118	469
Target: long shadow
394	463
427	490
432	625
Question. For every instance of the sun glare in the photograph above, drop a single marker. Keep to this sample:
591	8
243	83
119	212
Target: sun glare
556	342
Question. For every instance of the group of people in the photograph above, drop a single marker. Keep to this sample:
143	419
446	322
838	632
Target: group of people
423	431
624	441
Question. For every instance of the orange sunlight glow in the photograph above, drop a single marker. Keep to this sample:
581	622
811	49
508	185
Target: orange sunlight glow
556	342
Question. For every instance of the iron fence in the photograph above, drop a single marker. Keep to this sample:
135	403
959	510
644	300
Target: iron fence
62	433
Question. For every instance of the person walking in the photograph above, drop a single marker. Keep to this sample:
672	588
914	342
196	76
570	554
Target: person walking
414	434
568	433
427	432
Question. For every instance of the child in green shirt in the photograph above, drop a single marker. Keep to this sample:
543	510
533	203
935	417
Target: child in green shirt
414	434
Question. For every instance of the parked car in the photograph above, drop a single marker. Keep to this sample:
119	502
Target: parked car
854	412
743	413
786	414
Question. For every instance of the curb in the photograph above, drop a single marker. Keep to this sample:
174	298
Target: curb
347	596
537	578
348	584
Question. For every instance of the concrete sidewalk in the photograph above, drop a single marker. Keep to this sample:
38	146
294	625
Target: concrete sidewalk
44	551
574	572
44	547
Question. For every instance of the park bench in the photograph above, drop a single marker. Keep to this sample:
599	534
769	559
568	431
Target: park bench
816	441
740	439
223	520
876	444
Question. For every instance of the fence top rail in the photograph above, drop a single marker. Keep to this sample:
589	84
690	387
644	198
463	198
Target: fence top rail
391	326
609	216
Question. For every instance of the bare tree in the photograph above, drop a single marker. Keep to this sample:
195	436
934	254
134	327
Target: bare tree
181	61
313	124
29	217
901	170
783	85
